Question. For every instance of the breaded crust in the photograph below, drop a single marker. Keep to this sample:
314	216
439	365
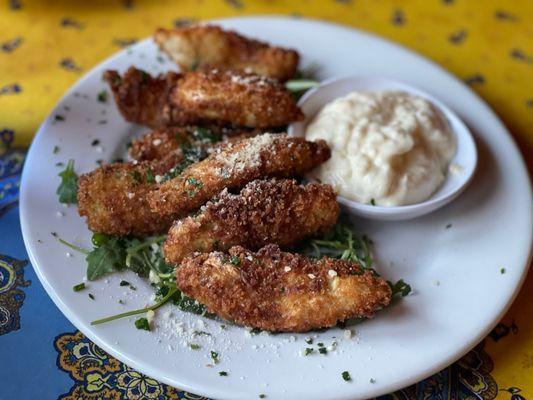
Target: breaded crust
264	156
203	47
113	198
146	100
274	211
279	291
159	143
202	98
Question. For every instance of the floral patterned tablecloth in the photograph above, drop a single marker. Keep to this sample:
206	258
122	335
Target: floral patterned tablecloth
45	46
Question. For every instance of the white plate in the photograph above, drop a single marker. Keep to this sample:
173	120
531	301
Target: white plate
491	229
465	159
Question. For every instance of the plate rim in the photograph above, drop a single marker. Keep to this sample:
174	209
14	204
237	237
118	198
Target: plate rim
216	392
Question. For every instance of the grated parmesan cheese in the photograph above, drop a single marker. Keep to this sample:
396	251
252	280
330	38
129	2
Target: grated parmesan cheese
247	157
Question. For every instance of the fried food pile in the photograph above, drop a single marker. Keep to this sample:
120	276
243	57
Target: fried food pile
226	189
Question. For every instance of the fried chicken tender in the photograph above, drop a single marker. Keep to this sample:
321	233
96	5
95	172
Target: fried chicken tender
200	98
113	198
159	143
204	47
264	156
278	291
274	211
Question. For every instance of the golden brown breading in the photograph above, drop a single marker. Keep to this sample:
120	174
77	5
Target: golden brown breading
264	156
159	143
275	211
113	198
279	291
193	98
203	47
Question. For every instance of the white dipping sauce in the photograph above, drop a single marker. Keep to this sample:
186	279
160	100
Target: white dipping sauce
387	148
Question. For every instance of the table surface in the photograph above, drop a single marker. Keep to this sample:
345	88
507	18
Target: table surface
46	46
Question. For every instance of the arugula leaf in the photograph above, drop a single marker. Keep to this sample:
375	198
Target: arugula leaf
68	188
107	258
141	257
341	242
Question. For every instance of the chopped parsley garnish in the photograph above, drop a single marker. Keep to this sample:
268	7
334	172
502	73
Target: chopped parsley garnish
194	182
223	373
56	150
136	175
142	323
262	396
448	226
346	376
95	142
206	135
308	350
189	304
399	288
68	188
194	346
150	176
59	117
191	181
201	333
191	154
102	96
373	202
78	287
124	283
91	296
323	350
309	340
234	260
214	357
502	271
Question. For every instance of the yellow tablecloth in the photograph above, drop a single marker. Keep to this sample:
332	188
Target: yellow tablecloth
45	46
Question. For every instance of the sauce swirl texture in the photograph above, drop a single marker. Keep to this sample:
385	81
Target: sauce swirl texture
388	148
